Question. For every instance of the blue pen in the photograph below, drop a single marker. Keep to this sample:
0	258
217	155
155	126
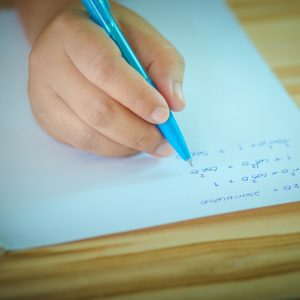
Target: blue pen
99	12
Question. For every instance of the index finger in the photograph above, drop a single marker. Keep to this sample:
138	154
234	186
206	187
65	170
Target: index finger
100	61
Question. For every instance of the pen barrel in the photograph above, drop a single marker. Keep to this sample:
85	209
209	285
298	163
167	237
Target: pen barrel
127	52
173	134
100	14
170	129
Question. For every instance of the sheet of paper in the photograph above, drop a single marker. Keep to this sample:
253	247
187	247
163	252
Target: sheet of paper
242	129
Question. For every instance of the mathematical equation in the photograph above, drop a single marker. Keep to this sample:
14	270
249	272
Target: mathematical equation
276	162
246	196
272	144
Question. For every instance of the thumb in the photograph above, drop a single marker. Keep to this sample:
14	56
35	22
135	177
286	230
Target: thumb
163	62
166	70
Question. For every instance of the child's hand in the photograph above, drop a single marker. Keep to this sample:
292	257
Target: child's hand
85	94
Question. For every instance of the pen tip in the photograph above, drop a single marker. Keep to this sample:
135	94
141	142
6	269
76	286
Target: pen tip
190	162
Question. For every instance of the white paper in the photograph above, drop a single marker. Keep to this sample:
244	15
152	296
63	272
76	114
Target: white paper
239	123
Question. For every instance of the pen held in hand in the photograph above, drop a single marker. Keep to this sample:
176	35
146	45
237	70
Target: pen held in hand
99	12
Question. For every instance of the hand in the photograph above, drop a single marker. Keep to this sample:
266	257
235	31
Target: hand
84	93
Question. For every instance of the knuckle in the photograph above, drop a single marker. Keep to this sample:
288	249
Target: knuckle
171	54
169	57
102	68
82	139
62	22
122	151
128	152
69	23
140	141
99	115
141	93
145	141
175	57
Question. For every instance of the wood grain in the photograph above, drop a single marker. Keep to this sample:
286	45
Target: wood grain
274	26
252	254
222	255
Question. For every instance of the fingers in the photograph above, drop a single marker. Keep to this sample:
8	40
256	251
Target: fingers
163	62
99	60
93	99
107	116
61	123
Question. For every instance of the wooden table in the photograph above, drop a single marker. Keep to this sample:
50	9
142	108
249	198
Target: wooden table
247	255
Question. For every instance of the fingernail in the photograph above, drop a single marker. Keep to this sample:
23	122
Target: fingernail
164	149
177	88
160	115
